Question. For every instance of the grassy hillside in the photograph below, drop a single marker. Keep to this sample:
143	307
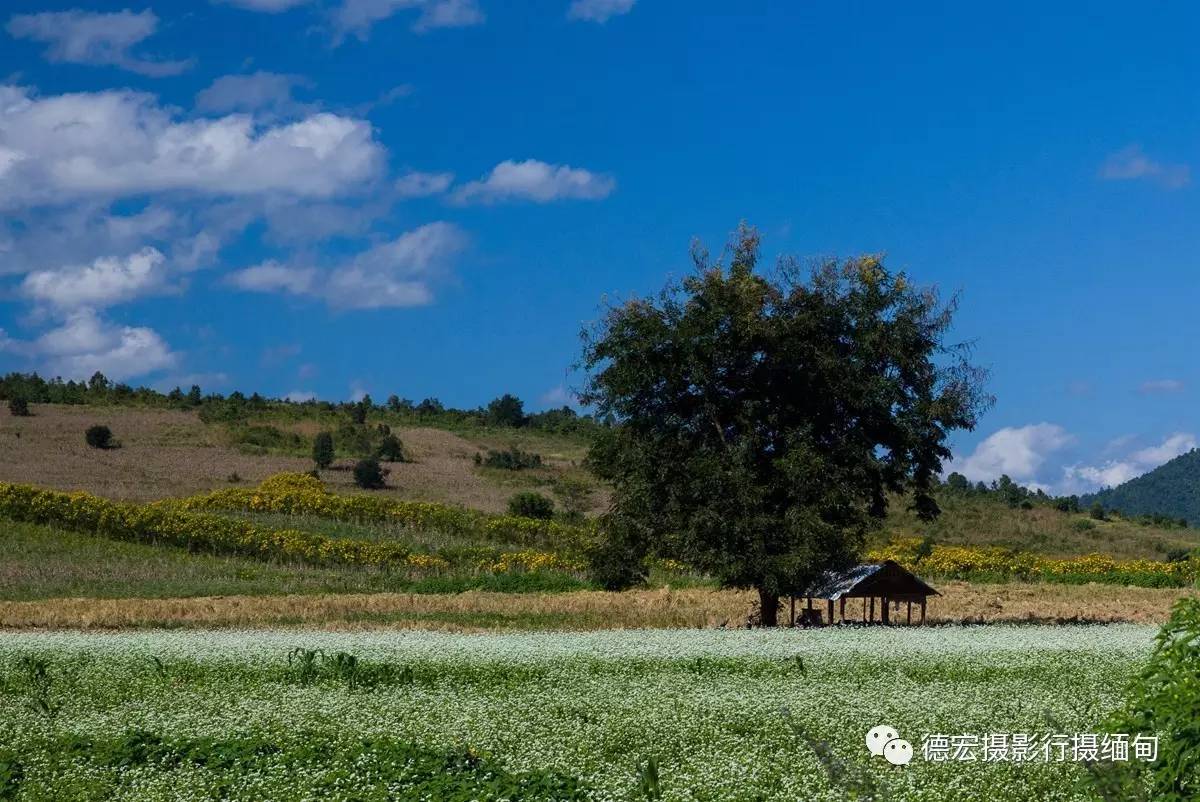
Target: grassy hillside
170	453
987	521
1171	489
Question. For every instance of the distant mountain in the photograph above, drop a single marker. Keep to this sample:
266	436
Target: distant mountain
1170	489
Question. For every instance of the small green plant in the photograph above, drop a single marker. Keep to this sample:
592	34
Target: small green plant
531	505
368	474
1097	513
37	674
18	407
99	436
322	452
11	774
648	781
1084	525
233	478
304	664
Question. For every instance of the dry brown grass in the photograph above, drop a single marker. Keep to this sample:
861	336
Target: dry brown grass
479	611
171	453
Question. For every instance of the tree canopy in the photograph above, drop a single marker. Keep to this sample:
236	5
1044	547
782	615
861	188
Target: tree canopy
763	421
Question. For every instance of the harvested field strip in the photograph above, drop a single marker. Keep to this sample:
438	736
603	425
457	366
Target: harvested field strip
480	611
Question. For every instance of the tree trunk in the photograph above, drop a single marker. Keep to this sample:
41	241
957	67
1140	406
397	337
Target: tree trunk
768	608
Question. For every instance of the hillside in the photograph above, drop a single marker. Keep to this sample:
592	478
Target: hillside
1172	489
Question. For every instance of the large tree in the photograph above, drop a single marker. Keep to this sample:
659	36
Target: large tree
762	422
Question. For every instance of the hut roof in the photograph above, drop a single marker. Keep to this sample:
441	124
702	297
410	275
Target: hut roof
887	578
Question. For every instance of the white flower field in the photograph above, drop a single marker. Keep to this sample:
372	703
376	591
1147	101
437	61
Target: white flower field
623	715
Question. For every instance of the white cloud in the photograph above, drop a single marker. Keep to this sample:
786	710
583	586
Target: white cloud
1018	452
1170	448
271	276
1132	164
254	92
300	396
1160	387
557	397
265	6
419	185
355	17
84	344
397	273
536	181
1086	478
104	282
121	143
82	37
598	10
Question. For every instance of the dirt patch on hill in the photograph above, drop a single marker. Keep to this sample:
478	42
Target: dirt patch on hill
167	453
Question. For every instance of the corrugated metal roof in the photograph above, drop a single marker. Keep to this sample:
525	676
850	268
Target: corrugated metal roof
836	584
833	584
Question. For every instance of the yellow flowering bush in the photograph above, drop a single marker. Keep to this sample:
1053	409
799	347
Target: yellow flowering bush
302	494
993	562
172	523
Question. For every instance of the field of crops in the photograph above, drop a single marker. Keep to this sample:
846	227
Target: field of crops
676	715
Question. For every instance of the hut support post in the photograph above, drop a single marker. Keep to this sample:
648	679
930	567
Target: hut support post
871	617
842	604
830	620
923	612
792	609
908	617
884	613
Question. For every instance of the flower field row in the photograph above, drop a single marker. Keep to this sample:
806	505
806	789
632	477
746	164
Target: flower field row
995	563
180	524
301	494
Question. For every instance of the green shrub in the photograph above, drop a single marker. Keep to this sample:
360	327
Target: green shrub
507	410
261	439
99	436
1084	525
323	449
531	505
390	449
18	407
574	494
368	474
1097	511
511	459
1163	700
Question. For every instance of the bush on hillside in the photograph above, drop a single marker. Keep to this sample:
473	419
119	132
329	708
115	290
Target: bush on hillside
323	450
368	474
1097	512
507	410
531	505
99	436
18	407
511	459
390	449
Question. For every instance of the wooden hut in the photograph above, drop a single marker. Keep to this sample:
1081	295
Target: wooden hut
887	581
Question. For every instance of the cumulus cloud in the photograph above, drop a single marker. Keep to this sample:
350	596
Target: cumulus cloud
83	37
598	10
259	91
121	143
397	273
419	185
1085	478
536	181
1018	452
356	17
85	343
1132	164
106	281
1161	387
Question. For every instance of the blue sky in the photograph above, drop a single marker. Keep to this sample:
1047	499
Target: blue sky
430	197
